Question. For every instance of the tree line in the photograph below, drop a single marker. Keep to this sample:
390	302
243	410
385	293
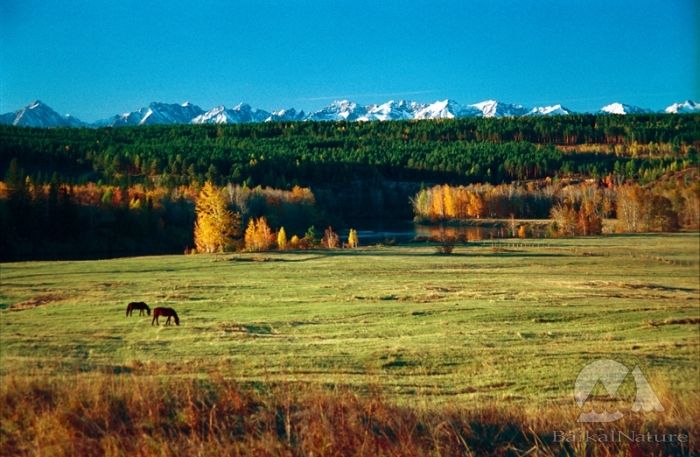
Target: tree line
50	221
218	228
105	192
575	207
282	155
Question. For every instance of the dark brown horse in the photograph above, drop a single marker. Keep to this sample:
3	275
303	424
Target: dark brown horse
165	312
141	306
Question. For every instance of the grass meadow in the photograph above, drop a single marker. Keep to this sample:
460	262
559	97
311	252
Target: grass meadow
375	351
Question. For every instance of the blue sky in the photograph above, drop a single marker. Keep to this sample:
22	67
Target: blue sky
95	58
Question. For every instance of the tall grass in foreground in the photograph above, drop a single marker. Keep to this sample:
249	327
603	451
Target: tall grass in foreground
140	415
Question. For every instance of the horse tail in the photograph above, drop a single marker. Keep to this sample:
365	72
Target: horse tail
128	308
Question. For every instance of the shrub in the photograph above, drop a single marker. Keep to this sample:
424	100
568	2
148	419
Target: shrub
445	243
149	415
330	239
294	242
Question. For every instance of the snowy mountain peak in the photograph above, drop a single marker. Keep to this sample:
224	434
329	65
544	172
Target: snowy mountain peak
494	108
216	115
154	114
339	110
553	110
621	108
391	110
286	115
39	114
687	106
239	114
441	109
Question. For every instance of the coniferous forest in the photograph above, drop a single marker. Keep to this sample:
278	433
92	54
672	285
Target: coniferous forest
73	193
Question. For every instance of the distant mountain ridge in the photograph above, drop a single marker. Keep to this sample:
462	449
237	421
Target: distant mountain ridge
38	114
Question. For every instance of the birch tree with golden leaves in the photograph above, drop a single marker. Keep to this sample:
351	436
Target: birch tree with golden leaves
258	235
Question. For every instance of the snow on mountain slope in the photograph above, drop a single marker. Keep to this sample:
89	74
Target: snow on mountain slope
445	109
155	113
286	115
553	110
38	114
216	115
239	114
621	108
494	108
339	110
391	111
165	113
243	113
687	106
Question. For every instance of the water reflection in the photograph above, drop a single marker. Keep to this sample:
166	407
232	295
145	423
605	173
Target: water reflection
465	233
403	232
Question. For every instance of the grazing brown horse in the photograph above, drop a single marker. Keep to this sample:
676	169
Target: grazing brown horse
141	306
165	312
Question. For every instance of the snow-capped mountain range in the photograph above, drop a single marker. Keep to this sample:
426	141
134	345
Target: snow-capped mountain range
38	114
153	114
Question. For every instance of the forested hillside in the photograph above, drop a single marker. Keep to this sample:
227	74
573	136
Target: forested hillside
355	170
283	154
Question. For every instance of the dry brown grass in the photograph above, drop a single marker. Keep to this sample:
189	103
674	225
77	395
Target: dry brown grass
90	415
36	301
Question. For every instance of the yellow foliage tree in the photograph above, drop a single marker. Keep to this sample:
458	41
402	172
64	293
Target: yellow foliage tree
437	210
303	193
421	203
462	202
282	239
249	236
449	206
476	206
215	224
258	235
353	241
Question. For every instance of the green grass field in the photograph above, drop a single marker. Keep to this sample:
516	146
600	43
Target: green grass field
514	322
